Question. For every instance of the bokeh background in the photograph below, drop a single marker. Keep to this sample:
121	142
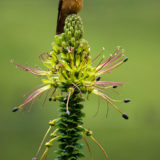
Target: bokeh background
27	28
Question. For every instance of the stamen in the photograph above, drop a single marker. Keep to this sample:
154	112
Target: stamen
33	89
15	109
127	100
107	110
78	89
106	98
105	154
113	100
109	60
113	90
125	60
45	154
46	97
112	63
89	149
98	78
104	83
50	99
43	140
97	108
125	116
98	55
115	86
115	60
111	68
101	60
30	107
34	95
32	70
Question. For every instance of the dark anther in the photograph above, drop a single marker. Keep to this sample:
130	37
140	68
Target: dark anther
115	86
15	109
126	59
127	100
98	78
50	99
125	116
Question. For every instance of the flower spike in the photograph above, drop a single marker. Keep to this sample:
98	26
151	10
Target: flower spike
71	74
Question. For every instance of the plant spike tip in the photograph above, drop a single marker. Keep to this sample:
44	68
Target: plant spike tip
127	100
15	109
125	116
115	86
125	59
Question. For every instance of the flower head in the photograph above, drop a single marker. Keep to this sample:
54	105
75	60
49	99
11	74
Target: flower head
69	67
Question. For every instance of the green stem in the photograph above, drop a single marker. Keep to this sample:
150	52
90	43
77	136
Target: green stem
70	133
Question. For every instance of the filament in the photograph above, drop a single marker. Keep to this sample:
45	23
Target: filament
89	149
105	154
46	97
98	55
78	89
43	140
97	108
45	153
105	98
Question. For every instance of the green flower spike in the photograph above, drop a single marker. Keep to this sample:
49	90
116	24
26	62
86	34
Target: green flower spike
70	70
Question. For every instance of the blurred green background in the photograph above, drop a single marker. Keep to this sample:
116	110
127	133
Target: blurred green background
27	28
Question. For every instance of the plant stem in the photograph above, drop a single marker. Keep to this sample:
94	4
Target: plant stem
70	133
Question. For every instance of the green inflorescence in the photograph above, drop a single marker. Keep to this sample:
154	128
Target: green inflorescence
70	70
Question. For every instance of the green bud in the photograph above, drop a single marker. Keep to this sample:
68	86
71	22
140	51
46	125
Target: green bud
55	48
69	34
125	59
64	45
74	24
71	29
73	41
58	39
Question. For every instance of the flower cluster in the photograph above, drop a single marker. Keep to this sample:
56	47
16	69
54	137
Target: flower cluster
69	66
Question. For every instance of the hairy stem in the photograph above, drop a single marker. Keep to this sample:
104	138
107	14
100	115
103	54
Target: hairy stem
70	133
